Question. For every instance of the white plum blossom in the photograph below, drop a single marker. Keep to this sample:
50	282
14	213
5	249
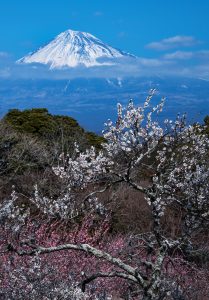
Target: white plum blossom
83	168
63	207
134	132
173	154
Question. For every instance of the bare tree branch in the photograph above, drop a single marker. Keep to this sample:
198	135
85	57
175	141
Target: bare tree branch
91	250
111	274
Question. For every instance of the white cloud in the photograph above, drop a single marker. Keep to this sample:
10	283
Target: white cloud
151	62
3	54
179	63
173	42
179	55
186	55
203	54
5	73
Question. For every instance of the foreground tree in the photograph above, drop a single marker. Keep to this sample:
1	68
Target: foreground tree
168	164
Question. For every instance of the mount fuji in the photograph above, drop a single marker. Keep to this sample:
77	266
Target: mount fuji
89	95
74	48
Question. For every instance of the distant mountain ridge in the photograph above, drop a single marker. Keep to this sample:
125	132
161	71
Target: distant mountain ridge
74	48
92	101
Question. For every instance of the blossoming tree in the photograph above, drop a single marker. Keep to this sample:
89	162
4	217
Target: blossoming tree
175	159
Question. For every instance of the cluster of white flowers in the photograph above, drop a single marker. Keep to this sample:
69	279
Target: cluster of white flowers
134	132
177	153
16	214
183	173
63	207
40	288
72	293
83	168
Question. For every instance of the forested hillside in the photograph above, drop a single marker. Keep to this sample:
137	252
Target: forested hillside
31	142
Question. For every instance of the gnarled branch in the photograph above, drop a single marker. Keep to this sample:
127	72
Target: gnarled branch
108	275
133	272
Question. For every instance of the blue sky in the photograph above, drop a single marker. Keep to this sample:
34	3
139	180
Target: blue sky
154	30
129	25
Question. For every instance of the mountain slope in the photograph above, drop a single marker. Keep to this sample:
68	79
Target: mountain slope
73	48
92	101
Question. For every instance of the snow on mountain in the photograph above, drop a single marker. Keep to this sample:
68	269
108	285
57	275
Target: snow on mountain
73	48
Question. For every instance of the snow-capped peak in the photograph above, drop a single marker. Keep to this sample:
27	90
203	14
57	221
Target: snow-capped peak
73	48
